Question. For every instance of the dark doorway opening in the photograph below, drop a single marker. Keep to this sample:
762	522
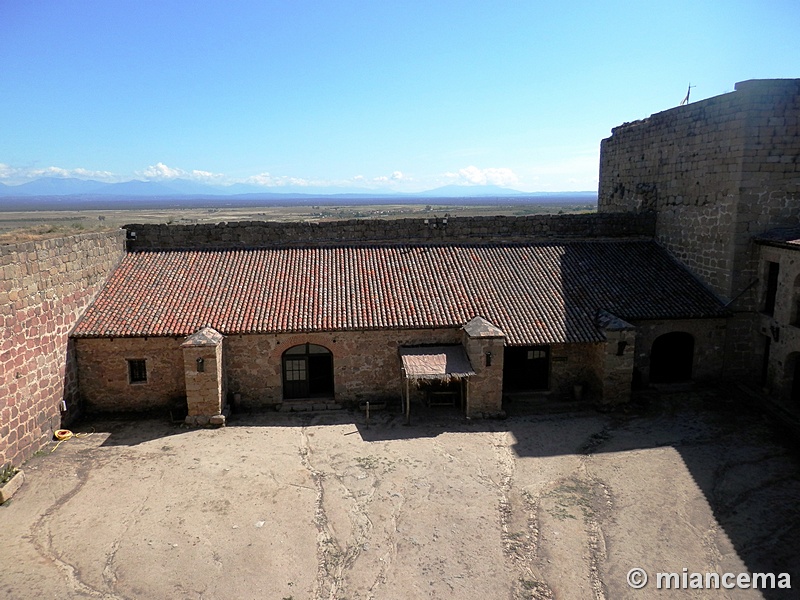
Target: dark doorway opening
793	364
765	361
526	368
672	358
773	271
307	372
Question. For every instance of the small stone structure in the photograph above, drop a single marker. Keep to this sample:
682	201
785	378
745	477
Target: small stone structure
484	344
619	358
204	370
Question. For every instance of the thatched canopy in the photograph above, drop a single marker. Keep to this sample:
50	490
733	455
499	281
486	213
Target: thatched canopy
436	363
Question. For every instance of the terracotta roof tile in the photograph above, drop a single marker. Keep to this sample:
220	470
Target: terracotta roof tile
535	293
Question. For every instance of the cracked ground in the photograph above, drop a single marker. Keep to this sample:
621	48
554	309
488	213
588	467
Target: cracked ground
319	507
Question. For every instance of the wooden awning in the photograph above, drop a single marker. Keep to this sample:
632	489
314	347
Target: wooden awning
436	363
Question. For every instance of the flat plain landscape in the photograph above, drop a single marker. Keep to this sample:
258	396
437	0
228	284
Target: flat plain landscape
326	506
18	226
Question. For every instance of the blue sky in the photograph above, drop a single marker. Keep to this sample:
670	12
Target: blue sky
370	94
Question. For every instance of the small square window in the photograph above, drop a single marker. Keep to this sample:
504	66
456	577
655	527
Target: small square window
137	370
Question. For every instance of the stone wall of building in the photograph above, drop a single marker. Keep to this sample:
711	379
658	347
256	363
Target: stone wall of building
709	343
366	367
46	285
452	230
780	331
577	364
716	172
104	377
366	364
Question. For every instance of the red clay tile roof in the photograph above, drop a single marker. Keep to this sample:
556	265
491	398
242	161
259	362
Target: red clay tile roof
536	293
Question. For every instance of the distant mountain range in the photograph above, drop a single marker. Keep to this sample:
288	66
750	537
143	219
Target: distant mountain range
61	186
55	193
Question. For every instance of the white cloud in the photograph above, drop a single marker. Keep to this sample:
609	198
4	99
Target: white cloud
160	171
100	175
6	171
395	177
268	180
16	175
472	175
207	176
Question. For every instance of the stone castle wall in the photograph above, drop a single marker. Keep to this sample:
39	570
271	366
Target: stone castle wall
452	230
46	286
716	172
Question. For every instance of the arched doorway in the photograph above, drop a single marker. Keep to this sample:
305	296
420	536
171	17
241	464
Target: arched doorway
307	372
672	357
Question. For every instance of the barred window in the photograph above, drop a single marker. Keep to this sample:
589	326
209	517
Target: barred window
137	370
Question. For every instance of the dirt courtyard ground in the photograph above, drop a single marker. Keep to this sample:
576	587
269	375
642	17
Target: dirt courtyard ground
287	506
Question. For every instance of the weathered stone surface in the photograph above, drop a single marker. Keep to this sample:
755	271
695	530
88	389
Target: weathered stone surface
376	231
484	344
778	333
45	287
204	373
103	373
715	173
11	486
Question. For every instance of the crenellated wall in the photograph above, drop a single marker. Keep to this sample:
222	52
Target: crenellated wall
46	285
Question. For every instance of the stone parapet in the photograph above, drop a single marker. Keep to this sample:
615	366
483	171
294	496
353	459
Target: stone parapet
452	230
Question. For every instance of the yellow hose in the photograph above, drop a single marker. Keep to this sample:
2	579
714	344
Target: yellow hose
62	435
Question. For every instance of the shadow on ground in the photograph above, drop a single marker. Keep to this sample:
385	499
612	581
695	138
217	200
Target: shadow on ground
746	466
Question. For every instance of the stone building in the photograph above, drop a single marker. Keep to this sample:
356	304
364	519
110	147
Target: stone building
719	175
346	313
778	317
321	325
